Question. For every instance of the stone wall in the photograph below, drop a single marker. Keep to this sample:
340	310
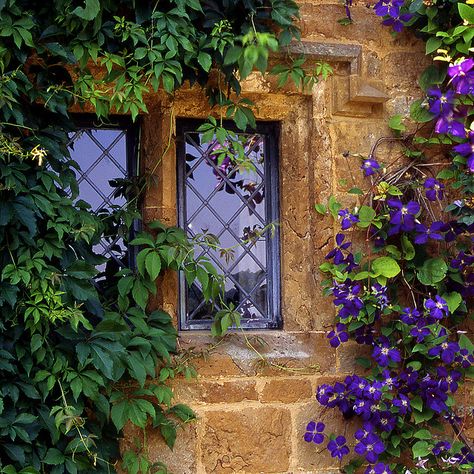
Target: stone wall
252	417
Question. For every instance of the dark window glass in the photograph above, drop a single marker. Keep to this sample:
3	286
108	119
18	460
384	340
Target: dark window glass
236	205
106	156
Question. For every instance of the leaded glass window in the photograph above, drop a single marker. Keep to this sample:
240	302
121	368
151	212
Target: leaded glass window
238	205
106	156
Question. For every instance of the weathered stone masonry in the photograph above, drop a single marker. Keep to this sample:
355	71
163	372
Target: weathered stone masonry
252	420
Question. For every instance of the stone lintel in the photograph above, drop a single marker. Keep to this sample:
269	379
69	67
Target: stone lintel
338	52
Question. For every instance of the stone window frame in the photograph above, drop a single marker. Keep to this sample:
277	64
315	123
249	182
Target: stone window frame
271	131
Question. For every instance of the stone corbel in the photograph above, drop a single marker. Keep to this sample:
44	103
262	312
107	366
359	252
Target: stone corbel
353	95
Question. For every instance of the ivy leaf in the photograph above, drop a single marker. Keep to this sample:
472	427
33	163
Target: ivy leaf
119	414
386	266
366	215
432	271
419	113
421	449
431	76
153	265
89	12
433	44
423	434
205	60
417	403
454	299
408	248
54	457
168	432
395	123
466	12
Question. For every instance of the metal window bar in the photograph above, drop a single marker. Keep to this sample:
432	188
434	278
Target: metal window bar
268	316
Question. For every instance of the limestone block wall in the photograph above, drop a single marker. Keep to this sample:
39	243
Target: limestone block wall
251	418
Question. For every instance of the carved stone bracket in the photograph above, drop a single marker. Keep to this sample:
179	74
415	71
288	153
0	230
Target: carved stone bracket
353	95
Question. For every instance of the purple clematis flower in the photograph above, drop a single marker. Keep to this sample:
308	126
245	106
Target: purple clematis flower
389	380
402	403
347	295
465	358
314	432
385	420
447	351
388	7
398	22
379	468
410	316
467	150
433	232
448	380
380	293
441	103
402	216
384	353
451	123
348	219
420	332
434	189
336	253
324	394
440	447
337	447
462	76
438	307
371	447
338	334
373	391
370	167
462	261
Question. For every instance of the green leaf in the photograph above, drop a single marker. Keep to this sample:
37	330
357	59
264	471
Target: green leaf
140	294
423	434
419	113
433	44
321	208
421	449
168	432
89	11
153	265
466	12
408	248
119	414
432	271
54	457
366	215
465	343
205	60
417	403
386	266
432	76
445	174
232	55
454	299
395	123
357	191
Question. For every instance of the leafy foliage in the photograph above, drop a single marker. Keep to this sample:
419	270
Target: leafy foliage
81	352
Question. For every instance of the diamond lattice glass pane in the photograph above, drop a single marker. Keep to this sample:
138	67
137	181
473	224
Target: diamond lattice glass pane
228	200
102	156
204	221
247	273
